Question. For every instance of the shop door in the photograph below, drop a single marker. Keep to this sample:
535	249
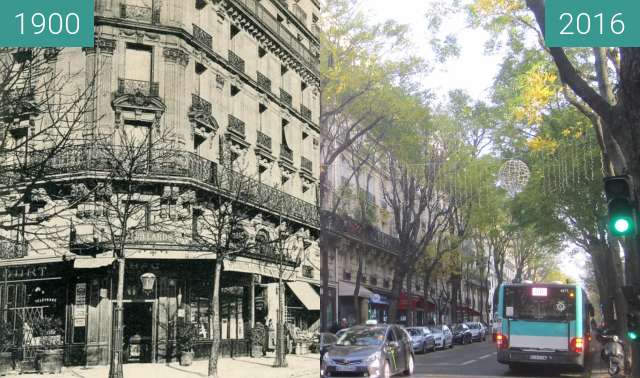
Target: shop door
138	331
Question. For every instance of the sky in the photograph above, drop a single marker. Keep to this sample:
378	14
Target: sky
472	70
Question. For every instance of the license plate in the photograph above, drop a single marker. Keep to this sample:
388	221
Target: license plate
538	358
345	368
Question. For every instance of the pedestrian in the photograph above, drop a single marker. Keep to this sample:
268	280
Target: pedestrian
335	328
344	323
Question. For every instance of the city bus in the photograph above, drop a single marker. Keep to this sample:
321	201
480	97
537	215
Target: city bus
543	324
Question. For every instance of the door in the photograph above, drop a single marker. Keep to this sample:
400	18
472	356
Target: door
405	349
138	331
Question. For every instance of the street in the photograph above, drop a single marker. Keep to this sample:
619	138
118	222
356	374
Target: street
477	360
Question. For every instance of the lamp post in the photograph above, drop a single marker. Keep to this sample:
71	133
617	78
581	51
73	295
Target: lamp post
148	280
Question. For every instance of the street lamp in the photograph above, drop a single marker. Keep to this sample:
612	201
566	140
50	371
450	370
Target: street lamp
147	279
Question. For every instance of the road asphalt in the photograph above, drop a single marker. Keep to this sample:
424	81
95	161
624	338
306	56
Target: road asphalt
478	360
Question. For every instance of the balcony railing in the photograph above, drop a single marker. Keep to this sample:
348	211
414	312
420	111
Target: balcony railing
264	141
175	163
264	82
286	153
306	112
235	61
12	250
299	13
286	97
306	164
236	125
138	87
281	32
343	224
202	36
138	13
198	102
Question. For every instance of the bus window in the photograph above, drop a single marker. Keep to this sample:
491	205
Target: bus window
533	303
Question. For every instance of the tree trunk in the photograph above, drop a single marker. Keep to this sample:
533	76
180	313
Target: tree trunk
281	359
356	290
215	321
410	308
396	287
115	368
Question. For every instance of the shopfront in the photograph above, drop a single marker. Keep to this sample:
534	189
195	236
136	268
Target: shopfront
379	307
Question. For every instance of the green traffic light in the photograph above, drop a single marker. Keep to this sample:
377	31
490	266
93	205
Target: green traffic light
632	335
622	225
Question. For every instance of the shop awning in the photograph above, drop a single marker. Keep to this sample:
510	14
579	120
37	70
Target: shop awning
305	293
346	289
90	262
31	261
252	266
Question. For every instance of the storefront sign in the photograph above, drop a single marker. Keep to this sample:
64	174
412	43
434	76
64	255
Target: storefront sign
81	293
32	272
79	316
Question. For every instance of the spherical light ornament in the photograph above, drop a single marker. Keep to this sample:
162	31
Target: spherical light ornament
513	176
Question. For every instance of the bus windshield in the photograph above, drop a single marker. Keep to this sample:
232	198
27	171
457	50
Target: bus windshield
539	303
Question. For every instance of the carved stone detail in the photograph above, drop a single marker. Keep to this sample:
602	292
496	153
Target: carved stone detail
175	55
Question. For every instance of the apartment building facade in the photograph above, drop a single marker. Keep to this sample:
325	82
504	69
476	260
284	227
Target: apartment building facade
231	89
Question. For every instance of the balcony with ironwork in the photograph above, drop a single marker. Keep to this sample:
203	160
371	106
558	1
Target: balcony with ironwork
236	126
286	98
288	39
236	62
346	226
264	82
264	141
164	166
140	13
138	88
306	165
202	36
201	117
12	249
263	150
305	112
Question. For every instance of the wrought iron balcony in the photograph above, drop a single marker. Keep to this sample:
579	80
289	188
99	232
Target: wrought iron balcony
165	163
236	125
202	36
198	102
138	87
12	250
306	112
286	153
299	13
138	13
264	82
264	141
345	225
235	61
287	38
286	97
306	164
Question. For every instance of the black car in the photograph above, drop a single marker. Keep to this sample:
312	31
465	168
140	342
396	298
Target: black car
326	341
377	351
461	334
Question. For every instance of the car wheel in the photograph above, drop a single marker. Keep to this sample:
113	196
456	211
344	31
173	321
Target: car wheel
386	370
410	366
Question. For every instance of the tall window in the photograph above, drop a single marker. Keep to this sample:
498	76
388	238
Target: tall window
138	63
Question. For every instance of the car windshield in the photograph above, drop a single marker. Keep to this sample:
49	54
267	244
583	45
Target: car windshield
362	337
472	326
436	329
458	327
414	331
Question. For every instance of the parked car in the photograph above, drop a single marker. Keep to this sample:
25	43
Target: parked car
326	341
478	332
422	339
374	350
461	334
442	336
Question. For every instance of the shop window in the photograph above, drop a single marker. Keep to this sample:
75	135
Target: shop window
199	307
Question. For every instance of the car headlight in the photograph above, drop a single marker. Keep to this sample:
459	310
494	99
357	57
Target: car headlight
373	361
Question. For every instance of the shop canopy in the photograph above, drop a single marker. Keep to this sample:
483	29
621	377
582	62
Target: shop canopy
305	293
346	289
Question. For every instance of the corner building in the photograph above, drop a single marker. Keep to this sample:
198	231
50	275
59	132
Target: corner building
236	83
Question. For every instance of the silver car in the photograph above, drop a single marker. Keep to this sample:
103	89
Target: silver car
478	331
421	339
442	336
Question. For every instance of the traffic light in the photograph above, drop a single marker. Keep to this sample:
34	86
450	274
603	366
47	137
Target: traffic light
632	295
621	204
633	322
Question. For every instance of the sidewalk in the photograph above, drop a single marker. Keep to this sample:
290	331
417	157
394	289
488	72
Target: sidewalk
306	366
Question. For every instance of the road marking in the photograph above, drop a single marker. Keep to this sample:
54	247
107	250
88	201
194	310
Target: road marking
468	362
485	356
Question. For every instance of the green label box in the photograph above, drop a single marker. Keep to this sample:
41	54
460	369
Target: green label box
592	23
46	23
